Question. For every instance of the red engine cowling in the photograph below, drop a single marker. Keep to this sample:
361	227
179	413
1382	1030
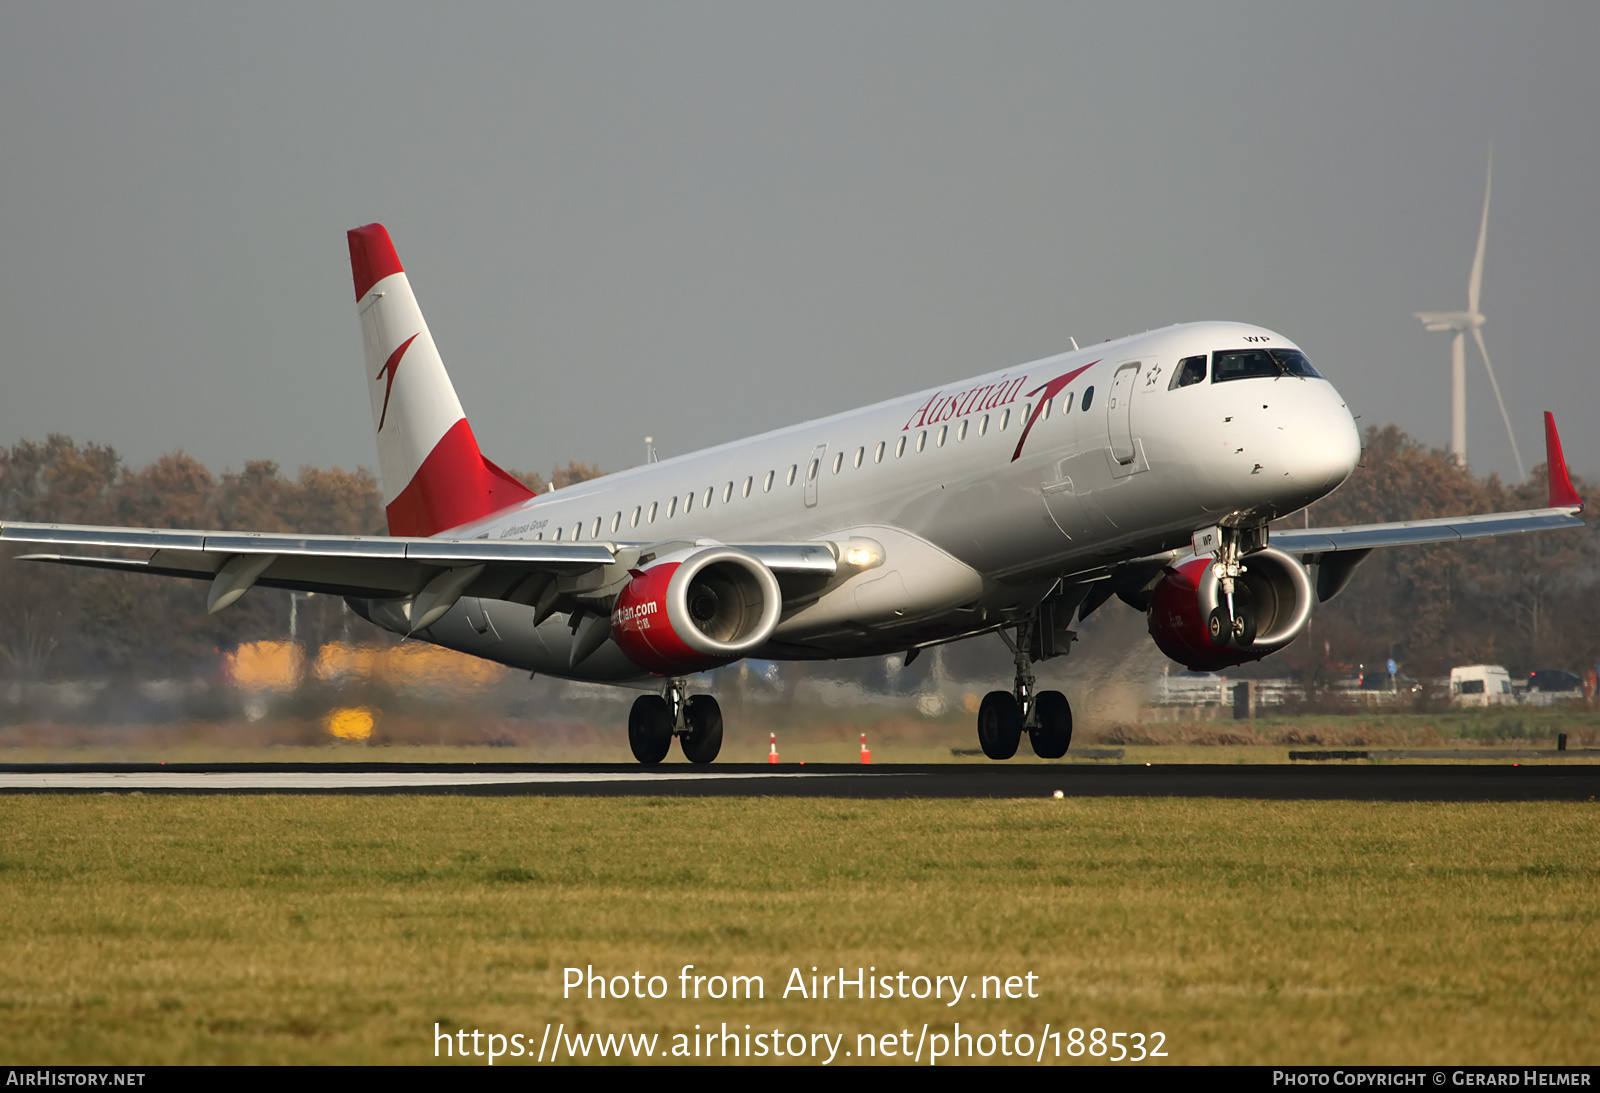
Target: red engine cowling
694	611
1274	588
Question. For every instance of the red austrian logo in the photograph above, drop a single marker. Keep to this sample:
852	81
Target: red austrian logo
1045	394
943	407
391	366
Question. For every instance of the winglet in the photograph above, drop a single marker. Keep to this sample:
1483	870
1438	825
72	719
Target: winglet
1562	495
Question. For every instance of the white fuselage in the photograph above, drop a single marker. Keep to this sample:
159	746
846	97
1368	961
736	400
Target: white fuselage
973	527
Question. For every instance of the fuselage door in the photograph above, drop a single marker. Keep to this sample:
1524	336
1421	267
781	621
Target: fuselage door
1119	412
814	472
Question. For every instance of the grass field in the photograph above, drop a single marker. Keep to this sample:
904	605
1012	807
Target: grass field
161	929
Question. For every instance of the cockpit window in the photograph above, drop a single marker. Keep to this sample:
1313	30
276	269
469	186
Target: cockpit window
1190	370
1238	364
1294	363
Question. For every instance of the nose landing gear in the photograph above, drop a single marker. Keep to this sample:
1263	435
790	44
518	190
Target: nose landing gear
1046	716
696	720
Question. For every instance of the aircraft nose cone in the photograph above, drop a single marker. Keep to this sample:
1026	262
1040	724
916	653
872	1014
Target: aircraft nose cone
1324	450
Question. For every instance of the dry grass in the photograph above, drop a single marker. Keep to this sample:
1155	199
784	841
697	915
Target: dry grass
164	929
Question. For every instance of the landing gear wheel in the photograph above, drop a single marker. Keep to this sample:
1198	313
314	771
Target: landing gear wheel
1219	626
650	728
999	725
1053	734
1240	631
1244	629
702	719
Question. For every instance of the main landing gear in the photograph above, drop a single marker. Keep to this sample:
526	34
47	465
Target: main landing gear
1002	717
696	720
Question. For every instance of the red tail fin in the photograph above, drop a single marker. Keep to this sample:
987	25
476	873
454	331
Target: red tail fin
433	475
455	485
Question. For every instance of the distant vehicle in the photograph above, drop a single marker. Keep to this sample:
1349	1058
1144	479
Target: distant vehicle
1554	681
1480	685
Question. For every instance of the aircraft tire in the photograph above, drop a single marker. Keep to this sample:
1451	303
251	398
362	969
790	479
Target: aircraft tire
1220	627
999	725
1053	735
650	728
1244	629
703	719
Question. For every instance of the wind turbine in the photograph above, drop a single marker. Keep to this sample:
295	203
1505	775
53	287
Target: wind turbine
1459	322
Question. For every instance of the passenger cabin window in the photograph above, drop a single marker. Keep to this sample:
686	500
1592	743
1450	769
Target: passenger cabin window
838	461
1005	420
943	429
558	534
634	522
1088	397
877	454
1190	371
983	425
727	493
922	440
1239	364
709	491
900	447
750	480
595	534
861	453
793	467
1066	407
811	472
616	522
672	507
961	430
766	487
652	517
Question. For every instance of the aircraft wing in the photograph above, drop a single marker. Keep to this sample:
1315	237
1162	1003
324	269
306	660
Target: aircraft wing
1413	532
375	566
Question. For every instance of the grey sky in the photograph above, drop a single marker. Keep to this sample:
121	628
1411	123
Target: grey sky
699	221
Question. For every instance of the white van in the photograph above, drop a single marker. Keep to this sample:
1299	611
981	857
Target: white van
1480	685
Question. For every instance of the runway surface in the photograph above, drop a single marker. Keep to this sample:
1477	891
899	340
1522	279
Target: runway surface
1478	782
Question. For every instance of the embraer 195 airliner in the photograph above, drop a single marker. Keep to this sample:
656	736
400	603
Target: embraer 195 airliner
1013	503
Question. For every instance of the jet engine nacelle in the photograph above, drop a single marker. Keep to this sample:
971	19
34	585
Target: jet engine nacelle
697	610
1273	593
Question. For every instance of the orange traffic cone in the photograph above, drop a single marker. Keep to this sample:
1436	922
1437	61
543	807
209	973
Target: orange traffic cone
866	756
772	752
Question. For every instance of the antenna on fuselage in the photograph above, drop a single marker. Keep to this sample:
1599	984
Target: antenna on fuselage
650	450
1074	342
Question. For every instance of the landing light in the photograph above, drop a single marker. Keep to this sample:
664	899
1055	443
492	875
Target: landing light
862	557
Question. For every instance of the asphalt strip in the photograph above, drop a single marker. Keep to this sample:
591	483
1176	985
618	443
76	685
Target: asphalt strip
1303	781
270	781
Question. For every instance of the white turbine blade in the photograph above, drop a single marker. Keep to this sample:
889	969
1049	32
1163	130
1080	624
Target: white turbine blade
1484	352
1475	283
